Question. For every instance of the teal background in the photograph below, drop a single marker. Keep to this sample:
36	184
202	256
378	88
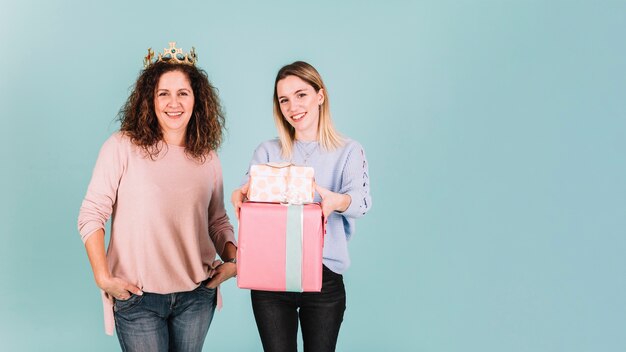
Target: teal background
494	132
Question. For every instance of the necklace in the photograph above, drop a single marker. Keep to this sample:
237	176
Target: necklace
306	152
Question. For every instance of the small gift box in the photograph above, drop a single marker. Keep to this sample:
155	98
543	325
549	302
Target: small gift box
281	182
280	247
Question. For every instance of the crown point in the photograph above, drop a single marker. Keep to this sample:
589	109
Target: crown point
172	55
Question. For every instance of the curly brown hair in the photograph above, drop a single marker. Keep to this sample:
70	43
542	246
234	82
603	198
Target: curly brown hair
139	121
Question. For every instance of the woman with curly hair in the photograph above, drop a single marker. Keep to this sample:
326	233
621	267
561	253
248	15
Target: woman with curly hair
160	180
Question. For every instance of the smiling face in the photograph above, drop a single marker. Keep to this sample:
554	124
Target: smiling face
299	104
173	105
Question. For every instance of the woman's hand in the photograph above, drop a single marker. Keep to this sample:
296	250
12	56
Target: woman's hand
115	287
221	272
239	195
332	201
118	288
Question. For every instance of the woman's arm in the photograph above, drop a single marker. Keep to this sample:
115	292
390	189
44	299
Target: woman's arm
355	183
238	197
220	231
96	210
332	201
114	286
227	269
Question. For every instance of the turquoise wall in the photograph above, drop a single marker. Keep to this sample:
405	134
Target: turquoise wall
495	133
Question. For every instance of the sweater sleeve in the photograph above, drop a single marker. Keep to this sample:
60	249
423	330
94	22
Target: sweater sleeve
220	228
355	182
101	194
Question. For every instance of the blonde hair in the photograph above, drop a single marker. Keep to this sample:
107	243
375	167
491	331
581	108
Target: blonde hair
328	137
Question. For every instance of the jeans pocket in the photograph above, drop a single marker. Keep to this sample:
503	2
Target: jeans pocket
332	283
207	293
125	305
205	289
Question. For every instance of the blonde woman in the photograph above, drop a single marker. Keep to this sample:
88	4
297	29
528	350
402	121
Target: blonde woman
307	137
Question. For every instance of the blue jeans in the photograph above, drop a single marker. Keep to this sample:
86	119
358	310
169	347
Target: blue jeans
320	313
165	322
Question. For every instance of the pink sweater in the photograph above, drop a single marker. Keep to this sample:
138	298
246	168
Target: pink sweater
168	216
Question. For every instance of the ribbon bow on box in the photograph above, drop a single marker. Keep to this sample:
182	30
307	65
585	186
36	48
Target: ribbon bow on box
281	182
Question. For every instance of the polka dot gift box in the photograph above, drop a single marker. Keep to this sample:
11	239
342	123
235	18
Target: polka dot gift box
281	182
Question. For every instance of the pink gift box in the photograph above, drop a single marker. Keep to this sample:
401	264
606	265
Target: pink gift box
280	247
281	182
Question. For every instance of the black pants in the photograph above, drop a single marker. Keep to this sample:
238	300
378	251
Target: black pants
320	313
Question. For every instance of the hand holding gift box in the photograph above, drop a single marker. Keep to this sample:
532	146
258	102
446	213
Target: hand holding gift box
281	182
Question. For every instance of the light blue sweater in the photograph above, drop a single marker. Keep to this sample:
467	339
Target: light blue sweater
344	171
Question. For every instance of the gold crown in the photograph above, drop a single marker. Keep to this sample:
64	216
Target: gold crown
172	55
